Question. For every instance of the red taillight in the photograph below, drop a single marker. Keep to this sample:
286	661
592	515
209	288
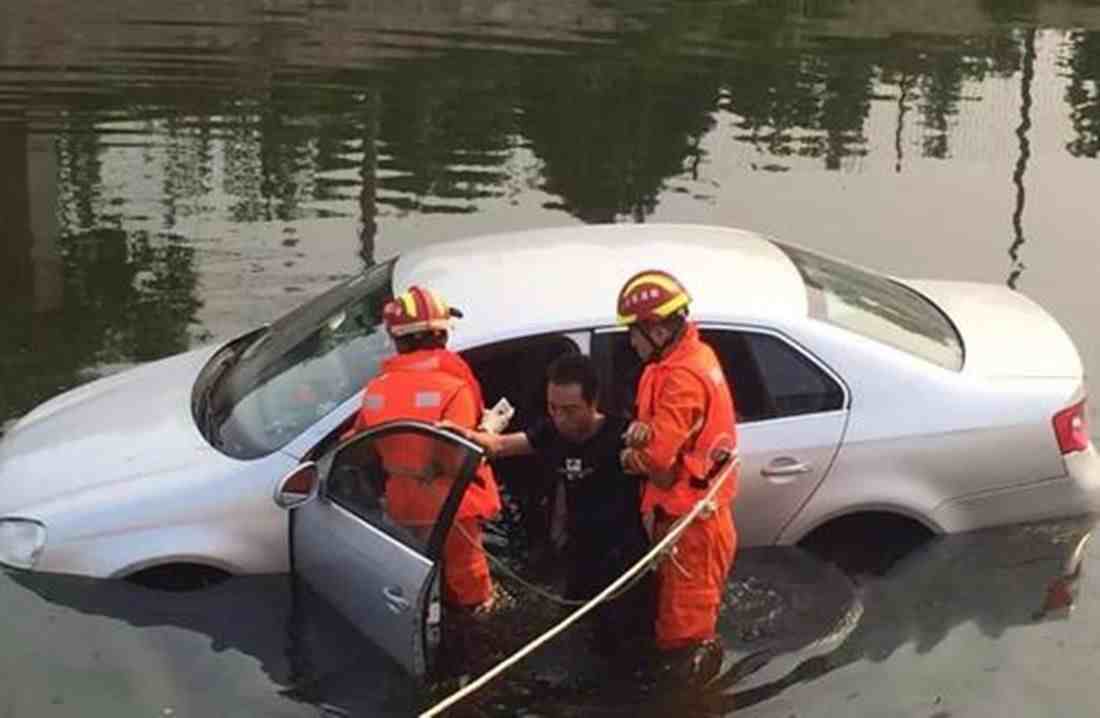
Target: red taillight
1071	427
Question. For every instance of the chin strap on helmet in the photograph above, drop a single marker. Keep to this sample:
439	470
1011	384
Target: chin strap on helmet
659	348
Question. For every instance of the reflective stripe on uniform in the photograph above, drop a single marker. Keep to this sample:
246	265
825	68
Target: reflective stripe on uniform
429	364
426	399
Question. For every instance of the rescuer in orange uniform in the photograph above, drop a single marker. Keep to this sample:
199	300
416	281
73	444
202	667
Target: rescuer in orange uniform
684	420
426	382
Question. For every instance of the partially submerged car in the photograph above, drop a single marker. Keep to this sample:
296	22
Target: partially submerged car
868	406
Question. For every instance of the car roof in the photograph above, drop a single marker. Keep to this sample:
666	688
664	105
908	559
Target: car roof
543	280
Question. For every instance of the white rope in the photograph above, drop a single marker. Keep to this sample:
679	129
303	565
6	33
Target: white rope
505	570
642	564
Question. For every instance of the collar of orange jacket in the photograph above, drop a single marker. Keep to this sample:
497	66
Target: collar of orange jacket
684	345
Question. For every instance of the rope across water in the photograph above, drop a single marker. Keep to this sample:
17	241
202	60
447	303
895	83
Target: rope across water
723	470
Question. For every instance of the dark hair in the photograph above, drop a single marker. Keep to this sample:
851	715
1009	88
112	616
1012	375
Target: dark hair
420	340
575	368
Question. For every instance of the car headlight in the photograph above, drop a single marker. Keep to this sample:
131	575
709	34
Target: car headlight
21	542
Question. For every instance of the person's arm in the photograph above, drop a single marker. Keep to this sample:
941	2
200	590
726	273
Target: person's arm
677	417
501	445
495	445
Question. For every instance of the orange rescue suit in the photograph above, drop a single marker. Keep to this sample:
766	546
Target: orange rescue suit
685	398
431	385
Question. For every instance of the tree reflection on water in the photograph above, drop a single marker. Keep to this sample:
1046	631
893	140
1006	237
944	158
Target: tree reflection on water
603	117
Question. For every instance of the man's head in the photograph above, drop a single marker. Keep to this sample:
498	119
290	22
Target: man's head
654	305
649	339
572	396
418	319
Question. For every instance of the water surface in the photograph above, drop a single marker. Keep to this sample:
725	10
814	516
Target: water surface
179	172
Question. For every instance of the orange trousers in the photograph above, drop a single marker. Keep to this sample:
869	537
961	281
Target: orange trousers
465	568
690	588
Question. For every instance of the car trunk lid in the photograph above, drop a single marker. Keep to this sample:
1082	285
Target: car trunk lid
1004	333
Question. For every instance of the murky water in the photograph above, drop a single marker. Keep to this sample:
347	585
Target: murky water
177	172
960	618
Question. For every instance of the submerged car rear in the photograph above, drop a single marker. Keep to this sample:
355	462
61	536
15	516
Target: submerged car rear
1012	340
968	402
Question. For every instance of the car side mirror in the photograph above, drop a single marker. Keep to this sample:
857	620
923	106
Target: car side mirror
297	487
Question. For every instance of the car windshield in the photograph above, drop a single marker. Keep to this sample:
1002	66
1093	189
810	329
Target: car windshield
267	387
877	307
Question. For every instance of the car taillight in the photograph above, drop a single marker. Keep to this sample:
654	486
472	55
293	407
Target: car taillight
1071	427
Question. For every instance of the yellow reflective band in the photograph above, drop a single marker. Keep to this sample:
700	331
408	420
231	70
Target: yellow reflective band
666	309
440	310
410	304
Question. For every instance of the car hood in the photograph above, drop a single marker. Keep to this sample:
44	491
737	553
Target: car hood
128	425
1004	334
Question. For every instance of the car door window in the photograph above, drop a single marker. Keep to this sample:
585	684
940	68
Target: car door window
741	366
621	369
516	369
769	377
795	384
401	480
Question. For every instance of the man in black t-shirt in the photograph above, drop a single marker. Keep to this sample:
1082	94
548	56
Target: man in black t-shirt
581	446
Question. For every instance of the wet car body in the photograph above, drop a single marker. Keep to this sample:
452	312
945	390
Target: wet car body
175	462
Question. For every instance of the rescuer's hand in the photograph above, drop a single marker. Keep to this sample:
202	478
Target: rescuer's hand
633	462
638	434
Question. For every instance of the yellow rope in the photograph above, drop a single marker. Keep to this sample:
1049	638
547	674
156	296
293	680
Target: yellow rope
642	564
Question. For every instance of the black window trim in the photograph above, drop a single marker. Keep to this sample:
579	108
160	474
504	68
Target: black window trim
846	403
581	337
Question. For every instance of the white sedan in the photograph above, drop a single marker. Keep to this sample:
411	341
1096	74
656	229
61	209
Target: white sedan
867	404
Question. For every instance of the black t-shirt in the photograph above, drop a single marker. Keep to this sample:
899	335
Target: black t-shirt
604	523
602	502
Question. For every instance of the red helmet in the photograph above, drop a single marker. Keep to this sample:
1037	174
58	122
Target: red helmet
417	310
651	296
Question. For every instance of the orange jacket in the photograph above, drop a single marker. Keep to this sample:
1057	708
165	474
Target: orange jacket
686	400
427	385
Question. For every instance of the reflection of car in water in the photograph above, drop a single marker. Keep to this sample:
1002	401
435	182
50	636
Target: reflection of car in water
867	405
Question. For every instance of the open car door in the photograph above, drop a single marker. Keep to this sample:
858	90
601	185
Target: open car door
361	546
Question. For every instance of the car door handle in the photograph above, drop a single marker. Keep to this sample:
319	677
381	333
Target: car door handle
395	599
785	466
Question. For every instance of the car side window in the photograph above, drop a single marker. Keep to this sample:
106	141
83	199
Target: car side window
400	482
516	369
740	364
769	378
795	384
621	369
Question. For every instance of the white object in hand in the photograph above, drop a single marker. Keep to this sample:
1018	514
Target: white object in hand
494	420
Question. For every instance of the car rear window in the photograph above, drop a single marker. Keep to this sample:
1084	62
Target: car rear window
877	307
